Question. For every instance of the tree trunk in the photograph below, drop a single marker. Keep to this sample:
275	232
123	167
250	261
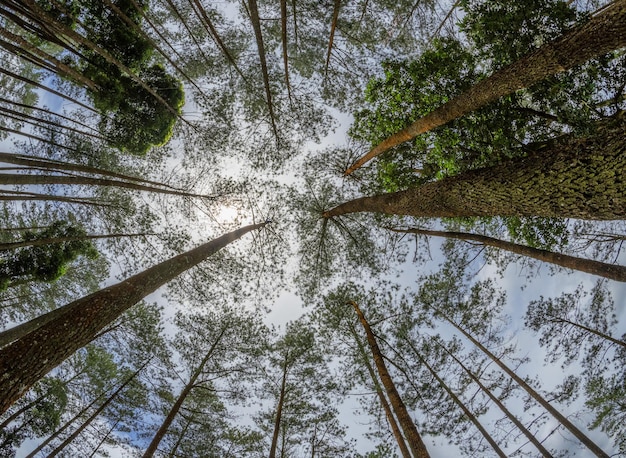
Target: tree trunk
383	400
580	178
283	35
35	161
279	411
97	412
20	195
28	359
589	330
531	392
23	179
40	242
406	422
470	416
531	437
602	269
256	25
603	33
331	38
160	434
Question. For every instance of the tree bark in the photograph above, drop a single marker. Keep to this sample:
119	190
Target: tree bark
28	359
406	422
602	269
531	392
603	33
578	178
331	38
40	242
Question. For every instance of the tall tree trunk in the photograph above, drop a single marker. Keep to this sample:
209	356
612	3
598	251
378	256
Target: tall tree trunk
603	269
283	35
331	38
279	410
470	416
578	178
24	179
97	412
45	88
66	425
256	25
28	359
556	319
531	392
36	161
603	33
406	422
160	434
40	242
20	195
383	399
531	437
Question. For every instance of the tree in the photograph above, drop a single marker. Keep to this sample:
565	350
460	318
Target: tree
60	337
559	182
601	34
612	271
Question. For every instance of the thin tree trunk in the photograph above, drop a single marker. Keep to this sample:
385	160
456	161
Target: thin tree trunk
279	410
63	30
283	34
395	429
331	38
531	437
589	330
202	14
67	424
256	25
578	178
47	241
406	422
531	392
45	88
35	161
28	359
19	195
23	179
602	269
96	413
160	434
603	33
470	416
173	7
104	438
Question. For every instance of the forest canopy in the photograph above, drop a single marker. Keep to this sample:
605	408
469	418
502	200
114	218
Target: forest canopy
357	228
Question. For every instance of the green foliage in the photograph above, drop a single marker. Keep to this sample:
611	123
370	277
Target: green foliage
605	396
44	263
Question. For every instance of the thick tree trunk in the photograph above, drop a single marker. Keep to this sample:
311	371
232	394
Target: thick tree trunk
28	359
331	38
279	410
40	242
160	434
580	178
602	269
603	33
406	422
531	392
